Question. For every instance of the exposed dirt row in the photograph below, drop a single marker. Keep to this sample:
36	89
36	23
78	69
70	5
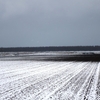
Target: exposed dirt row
47	80
13	87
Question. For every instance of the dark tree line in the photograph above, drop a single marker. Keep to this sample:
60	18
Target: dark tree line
62	48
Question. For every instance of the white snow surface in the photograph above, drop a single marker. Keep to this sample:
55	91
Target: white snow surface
49	80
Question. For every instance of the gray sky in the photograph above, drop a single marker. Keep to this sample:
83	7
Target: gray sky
49	23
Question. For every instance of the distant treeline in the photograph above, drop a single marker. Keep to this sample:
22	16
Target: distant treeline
63	48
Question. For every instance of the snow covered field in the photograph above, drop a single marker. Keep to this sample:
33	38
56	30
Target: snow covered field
49	80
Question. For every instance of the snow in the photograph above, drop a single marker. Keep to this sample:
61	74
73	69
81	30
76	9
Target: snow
14	54
49	80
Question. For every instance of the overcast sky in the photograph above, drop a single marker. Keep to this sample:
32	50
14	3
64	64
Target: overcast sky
49	23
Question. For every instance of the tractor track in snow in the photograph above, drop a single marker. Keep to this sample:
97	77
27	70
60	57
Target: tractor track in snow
24	84
98	86
49	80
71	86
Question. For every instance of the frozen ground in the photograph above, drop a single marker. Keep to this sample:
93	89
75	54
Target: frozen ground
6	54
49	80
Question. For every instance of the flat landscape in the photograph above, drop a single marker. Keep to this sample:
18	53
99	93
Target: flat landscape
35	77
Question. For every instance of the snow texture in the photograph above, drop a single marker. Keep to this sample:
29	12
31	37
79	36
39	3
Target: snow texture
49	80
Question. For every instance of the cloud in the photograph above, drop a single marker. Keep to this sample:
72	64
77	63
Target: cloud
65	22
68	8
14	7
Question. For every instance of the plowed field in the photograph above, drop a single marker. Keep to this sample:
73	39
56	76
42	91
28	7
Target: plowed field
49	80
